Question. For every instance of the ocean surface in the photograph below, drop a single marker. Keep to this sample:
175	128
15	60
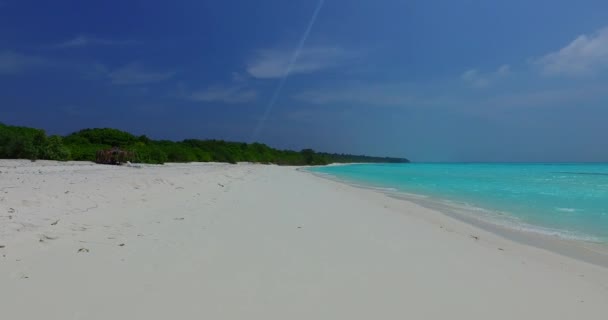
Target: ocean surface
565	200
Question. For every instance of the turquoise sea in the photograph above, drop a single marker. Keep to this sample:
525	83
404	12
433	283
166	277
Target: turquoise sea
566	200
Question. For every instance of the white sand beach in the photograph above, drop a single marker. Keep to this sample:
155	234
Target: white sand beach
219	241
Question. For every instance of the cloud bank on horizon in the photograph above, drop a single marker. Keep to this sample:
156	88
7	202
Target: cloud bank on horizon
436	82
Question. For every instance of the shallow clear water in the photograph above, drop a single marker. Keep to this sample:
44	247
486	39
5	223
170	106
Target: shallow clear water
569	200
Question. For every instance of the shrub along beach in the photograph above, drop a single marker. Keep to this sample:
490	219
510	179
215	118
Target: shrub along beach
29	143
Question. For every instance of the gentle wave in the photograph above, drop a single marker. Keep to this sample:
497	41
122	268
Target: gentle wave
586	173
568	203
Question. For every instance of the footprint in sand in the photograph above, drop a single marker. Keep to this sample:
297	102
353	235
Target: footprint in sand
19	275
45	237
78	228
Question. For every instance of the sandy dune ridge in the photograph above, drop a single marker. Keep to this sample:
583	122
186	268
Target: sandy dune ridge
219	241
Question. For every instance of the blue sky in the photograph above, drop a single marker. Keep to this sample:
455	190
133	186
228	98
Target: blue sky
429	80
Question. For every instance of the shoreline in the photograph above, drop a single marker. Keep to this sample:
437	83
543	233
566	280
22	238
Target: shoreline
586	251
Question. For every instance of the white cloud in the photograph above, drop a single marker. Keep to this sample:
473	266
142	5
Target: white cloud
238	92
232	95
503	70
553	97
83	41
13	63
274	63
238	77
371	95
473	77
477	79
583	56
134	73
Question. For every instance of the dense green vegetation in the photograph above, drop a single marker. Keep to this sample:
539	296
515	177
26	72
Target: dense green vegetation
29	143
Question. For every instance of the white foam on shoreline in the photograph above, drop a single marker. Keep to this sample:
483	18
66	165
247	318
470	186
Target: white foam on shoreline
472	212
504	220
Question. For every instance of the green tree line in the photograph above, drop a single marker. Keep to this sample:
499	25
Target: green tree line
29	143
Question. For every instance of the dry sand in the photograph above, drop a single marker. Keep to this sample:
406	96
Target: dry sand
217	241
